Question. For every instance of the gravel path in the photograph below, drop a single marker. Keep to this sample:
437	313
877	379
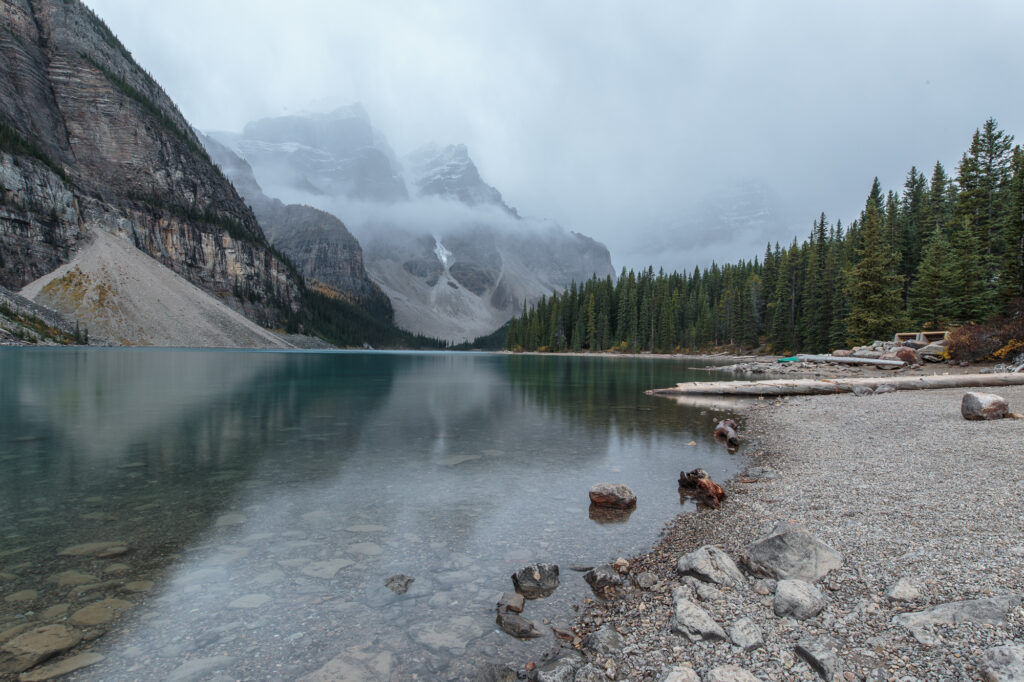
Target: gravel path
903	487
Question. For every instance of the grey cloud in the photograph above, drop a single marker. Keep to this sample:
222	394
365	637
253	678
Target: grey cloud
618	120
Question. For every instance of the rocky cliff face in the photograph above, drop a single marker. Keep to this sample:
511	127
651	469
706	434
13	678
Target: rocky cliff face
90	140
455	260
315	241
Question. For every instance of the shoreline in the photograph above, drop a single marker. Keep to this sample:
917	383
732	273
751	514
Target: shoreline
901	485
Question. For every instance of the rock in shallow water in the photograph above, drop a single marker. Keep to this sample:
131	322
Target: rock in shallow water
399	583
602	578
35	646
512	601
516	625
536	580
61	668
613	495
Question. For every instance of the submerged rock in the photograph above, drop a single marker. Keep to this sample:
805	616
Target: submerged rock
516	625
536	580
562	668
399	583
36	646
61	668
512	601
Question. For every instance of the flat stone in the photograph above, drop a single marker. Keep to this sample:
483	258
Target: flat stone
692	621
729	673
199	668
270	577
903	590
14	631
789	551
111	552
797	599
68	665
317	516
495	672
116	568
21	597
35	646
820	654
988	611
249	601
712	565
71	578
90	548
98	613
745	634
7	577
326	569
367	548
1004	663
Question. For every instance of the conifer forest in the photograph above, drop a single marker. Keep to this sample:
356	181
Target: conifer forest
946	249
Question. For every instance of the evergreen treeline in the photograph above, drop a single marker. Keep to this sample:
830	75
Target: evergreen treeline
941	252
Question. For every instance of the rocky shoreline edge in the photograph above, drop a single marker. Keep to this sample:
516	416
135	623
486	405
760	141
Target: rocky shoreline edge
893	530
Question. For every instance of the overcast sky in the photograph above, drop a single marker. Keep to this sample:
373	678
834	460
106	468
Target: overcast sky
616	118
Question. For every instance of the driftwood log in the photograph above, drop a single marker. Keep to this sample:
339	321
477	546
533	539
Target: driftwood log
703	487
780	387
850	360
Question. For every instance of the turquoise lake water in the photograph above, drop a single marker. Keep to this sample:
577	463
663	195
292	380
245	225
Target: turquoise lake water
250	505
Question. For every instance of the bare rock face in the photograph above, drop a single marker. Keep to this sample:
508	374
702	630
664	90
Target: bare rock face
983	406
615	495
93	141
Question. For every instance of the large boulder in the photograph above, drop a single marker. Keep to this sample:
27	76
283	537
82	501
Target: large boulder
614	495
692	621
980	406
797	599
536	580
789	551
711	565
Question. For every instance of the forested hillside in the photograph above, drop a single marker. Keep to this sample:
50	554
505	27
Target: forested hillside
943	251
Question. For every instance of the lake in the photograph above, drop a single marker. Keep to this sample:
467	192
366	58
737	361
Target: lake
236	514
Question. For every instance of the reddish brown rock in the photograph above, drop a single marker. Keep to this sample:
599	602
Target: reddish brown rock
908	355
982	406
614	495
726	431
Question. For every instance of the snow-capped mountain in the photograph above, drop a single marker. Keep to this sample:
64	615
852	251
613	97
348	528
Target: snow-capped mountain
454	259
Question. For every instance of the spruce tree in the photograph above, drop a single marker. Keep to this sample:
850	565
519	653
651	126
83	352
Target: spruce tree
874	288
934	295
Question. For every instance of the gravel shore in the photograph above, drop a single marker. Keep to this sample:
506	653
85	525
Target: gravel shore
903	487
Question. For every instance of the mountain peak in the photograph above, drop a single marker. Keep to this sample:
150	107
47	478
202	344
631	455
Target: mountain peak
450	173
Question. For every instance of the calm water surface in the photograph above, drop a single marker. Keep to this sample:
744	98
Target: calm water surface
252	504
